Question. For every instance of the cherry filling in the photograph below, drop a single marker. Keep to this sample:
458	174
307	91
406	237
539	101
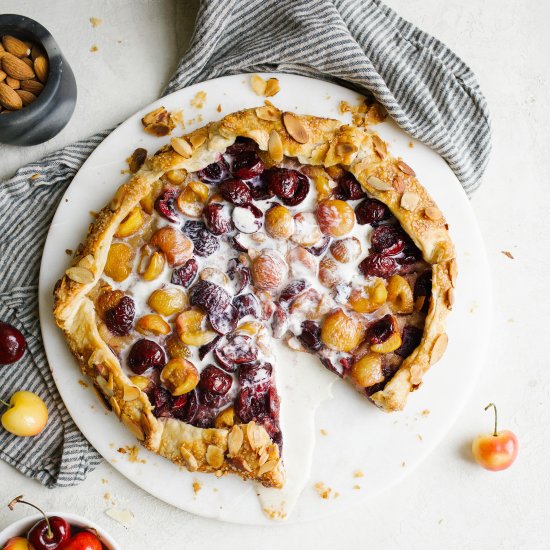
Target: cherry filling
165	204
215	172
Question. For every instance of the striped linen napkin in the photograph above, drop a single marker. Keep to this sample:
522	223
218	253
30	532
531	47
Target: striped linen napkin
363	44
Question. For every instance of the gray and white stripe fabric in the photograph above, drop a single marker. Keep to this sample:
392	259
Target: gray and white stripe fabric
424	86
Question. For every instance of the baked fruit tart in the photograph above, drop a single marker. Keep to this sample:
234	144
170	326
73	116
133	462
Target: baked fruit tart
263	226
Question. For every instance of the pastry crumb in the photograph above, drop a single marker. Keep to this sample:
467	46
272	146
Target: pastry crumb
322	490
219	108
275	513
508	254
336	494
94	48
93	214
197	486
83	384
419	436
357	487
403	464
323	431
411	144
68	251
199	100
177	118
95	21
426	412
358	473
35	176
124	517
367	113
104	481
132	452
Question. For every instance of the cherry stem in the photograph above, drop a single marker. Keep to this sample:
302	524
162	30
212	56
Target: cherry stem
19	499
5	404
495	433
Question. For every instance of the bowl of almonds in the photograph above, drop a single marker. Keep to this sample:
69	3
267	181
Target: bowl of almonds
37	86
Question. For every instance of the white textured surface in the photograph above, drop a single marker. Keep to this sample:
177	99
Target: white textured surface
448	502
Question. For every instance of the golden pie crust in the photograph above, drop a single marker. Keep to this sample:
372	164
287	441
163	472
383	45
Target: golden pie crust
246	449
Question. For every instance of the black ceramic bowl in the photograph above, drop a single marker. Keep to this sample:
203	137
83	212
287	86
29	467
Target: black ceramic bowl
51	111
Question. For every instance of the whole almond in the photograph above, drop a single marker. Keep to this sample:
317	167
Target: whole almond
36	51
9	98
3	75
26	97
41	68
15	46
32	86
16	68
13	83
28	62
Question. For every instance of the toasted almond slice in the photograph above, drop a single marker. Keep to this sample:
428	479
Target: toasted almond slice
268	112
80	275
263	457
131	393
87	261
182	147
272	87
114	404
267	467
433	213
132	426
295	128
405	168
251	434
275	146
197	139
258	84
399	183
378	184
235	440
214	456
379	147
450	298
439	347
118	198
345	149
246	465
189	459
409	201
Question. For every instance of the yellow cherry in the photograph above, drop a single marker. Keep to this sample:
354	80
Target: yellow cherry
18	543
27	414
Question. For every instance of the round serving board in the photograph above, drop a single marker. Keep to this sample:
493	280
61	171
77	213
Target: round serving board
386	447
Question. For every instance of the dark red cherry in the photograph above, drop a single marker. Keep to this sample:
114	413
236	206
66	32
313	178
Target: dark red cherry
241	144
236	192
217	218
371	211
224	321
377	265
281	181
185	274
253	374
311	335
247	165
215	380
411	338
289	293
251	403
387	240
208	296
215	172
237	350
350	188
381	330
320	247
50	534
204	243
188	411
247	304
207	348
165	204
119	319
12	344
259	188
302	189
144	355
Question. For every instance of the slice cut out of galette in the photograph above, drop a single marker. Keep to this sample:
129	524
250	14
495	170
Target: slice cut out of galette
263	229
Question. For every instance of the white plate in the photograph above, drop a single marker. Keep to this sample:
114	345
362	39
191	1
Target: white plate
360	437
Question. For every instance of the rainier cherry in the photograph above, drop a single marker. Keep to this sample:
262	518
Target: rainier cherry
496	451
26	415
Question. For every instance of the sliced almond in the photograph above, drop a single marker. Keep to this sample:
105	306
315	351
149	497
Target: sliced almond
214	456
41	68
32	86
80	275
87	261
15	68
269	466
197	139
405	168
275	146
118	198
182	147
131	393
245	465
26	97
272	87
264	455
235	440
132	426
433	213
15	46
439	347
344	149
258	84
378	184
295	128
114	404
409	201
268	112
450	298
9	98
379	147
